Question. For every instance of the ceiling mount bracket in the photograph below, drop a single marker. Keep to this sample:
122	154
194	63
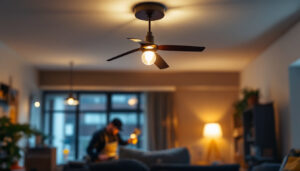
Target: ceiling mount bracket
149	11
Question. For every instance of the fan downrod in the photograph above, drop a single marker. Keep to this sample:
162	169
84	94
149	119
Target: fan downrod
149	11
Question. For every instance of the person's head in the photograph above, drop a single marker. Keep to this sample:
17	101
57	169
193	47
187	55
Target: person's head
114	126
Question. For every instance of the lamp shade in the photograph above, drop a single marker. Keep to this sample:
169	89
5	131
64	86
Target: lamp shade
212	130
71	101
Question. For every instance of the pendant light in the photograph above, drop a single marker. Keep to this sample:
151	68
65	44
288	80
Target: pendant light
71	100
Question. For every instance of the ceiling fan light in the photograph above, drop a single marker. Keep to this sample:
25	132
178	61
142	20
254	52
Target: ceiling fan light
148	57
149	47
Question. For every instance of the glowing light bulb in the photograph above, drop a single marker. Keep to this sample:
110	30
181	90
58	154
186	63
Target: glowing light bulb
212	130
148	57
37	104
134	139
133	136
71	101
132	101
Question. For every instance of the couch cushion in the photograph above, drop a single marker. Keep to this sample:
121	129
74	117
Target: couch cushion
185	167
117	165
267	167
75	166
170	156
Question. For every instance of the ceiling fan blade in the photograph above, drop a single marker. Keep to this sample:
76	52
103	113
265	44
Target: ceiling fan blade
181	48
136	40
160	62
123	54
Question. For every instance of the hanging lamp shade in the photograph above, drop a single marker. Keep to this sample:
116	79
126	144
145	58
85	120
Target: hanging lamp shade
71	100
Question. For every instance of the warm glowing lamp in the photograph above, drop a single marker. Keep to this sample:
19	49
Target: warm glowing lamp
37	104
71	100
148	57
134	136
132	101
212	130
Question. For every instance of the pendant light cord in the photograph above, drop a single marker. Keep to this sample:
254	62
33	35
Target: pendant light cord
71	77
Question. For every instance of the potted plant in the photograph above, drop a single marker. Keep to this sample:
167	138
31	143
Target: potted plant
250	98
10	134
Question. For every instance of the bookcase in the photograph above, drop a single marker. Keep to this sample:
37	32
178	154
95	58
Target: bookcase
259	135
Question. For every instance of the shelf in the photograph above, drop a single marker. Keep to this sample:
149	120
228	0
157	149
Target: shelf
250	139
258	158
259	135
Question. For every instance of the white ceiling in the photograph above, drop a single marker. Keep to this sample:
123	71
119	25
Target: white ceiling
50	33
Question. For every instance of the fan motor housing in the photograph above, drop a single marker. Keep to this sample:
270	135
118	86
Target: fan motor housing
149	11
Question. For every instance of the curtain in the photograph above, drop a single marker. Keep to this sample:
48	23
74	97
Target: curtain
161	120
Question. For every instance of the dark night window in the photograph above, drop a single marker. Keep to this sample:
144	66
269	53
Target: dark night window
71	127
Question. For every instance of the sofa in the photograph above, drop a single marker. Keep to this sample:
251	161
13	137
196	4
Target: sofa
185	167
116	165
150	158
177	159
267	167
135	165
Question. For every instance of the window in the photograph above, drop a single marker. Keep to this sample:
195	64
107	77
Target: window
71	127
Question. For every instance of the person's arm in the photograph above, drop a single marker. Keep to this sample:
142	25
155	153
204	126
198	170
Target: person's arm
96	144
121	141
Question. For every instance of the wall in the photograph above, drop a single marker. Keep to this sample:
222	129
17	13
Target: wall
24	78
269	73
295	103
121	79
200	97
196	107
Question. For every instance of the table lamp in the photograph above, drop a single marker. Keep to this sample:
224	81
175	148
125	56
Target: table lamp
213	131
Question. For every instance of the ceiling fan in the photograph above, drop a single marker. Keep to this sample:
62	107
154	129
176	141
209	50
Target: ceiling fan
150	11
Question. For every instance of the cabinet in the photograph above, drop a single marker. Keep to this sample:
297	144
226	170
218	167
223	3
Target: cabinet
40	159
259	134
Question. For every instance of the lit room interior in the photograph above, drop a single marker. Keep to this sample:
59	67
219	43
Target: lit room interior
139	85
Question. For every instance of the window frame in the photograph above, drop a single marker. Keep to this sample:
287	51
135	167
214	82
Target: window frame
78	112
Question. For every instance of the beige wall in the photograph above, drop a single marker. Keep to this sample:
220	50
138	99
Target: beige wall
197	107
199	98
269	73
24	78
